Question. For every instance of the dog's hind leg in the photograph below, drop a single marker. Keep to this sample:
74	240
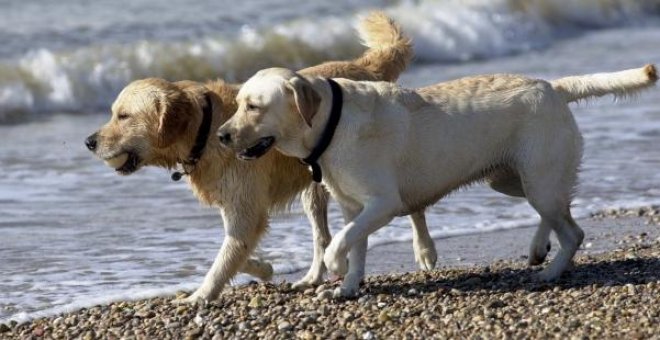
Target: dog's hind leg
315	204
549	175
508	183
423	245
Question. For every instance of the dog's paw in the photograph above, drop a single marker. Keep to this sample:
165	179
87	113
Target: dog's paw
547	275
265	271
201	295
345	292
334	259
537	255
307	282
336	264
426	258
192	299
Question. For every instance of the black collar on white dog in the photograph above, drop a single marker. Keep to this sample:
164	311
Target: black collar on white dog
328	132
200	141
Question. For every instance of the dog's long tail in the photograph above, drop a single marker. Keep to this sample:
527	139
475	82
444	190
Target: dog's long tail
390	50
622	83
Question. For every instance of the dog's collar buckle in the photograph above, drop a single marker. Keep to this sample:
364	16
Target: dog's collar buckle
328	132
200	141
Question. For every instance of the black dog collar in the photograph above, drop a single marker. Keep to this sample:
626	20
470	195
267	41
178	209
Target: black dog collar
328	132
200	141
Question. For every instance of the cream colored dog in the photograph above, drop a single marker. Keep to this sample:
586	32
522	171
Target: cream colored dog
156	123
396	151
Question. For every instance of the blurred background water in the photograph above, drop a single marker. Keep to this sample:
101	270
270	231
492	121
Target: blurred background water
73	233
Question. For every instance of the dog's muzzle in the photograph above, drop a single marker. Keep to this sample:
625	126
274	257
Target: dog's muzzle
263	145
125	163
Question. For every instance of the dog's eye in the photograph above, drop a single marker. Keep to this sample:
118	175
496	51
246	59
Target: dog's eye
251	107
122	116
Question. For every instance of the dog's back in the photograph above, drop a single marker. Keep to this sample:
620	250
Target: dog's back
447	135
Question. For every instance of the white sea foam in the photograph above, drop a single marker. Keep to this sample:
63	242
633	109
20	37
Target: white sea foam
88	78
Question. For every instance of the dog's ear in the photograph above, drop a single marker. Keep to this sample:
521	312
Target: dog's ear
174	115
306	98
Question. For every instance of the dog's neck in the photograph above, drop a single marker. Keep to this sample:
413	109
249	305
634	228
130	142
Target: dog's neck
327	131
215	156
201	140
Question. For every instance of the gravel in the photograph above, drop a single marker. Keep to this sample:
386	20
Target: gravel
615	294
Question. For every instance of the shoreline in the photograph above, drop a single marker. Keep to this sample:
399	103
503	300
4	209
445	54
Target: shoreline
478	281
604	231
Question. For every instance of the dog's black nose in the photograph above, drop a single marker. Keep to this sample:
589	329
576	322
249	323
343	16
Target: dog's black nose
225	138
90	142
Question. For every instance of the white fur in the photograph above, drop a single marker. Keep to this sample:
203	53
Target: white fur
396	151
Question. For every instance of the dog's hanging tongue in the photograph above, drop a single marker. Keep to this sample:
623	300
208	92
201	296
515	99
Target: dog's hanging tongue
328	132
200	141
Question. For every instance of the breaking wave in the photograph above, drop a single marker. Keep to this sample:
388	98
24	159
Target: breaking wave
86	79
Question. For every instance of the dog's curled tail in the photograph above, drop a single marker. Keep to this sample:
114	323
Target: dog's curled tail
390	50
621	84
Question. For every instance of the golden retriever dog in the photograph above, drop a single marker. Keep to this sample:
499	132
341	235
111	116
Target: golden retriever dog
386	151
166	124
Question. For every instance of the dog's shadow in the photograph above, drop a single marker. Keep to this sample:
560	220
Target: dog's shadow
610	273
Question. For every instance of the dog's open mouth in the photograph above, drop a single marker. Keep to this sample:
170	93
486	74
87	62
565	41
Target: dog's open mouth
125	163
263	145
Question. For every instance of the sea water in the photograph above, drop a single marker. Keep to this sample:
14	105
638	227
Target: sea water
73	233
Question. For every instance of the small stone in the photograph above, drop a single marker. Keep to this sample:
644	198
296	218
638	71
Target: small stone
182	309
574	323
368	335
321	288
307	335
384	316
89	336
198	320
363	299
284	326
58	321
324	295
4	328
256	302
412	291
38	331
631	289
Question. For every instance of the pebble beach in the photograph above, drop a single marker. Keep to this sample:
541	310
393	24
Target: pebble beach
613	292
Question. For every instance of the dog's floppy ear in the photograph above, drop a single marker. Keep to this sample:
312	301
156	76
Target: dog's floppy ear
174	114
306	98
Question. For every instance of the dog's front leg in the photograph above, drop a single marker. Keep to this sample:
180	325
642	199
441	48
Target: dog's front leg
315	204
244	225
376	213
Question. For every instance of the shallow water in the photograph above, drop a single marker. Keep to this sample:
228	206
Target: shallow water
74	233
